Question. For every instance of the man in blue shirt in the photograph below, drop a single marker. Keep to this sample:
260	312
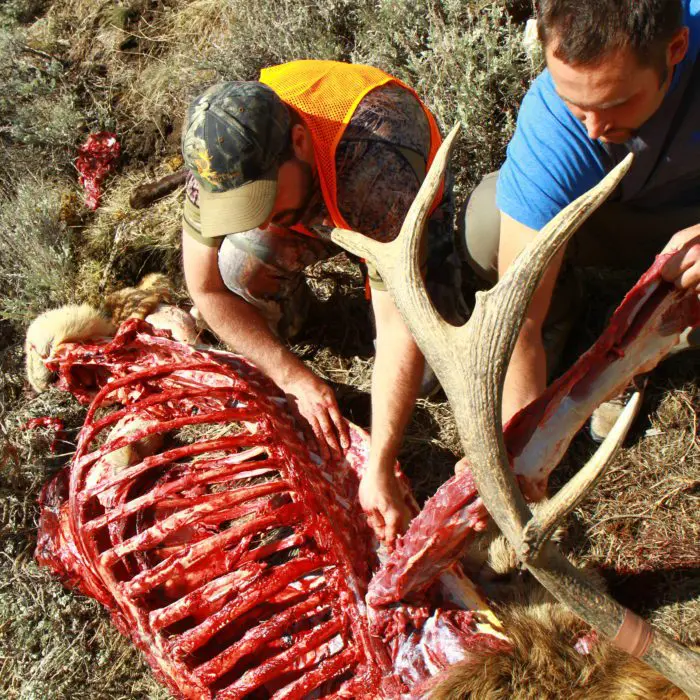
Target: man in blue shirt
621	76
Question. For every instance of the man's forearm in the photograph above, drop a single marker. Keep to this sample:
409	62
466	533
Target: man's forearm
397	370
243	328
526	377
246	332
398	367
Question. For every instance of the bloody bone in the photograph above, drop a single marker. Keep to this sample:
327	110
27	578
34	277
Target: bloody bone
470	362
148	193
237	561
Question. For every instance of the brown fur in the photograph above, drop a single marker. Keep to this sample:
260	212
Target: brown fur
542	663
490	557
138	302
70	323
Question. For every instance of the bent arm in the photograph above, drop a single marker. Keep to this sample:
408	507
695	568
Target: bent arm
526	377
245	330
232	318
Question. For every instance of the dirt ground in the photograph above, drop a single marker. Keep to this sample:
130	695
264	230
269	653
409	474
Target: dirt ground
72	67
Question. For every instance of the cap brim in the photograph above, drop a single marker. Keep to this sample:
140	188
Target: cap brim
239	209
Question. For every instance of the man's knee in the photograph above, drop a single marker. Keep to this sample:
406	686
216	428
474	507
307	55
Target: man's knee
443	268
478	224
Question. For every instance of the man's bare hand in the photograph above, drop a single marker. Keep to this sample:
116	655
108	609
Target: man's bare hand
314	404
381	498
683	267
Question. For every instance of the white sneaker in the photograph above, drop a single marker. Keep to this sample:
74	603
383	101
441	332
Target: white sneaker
605	416
689	340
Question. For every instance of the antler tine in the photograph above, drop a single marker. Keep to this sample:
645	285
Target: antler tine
470	361
487	343
542	523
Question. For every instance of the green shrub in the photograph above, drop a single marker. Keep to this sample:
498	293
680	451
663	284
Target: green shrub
469	65
22	11
48	120
266	33
40	121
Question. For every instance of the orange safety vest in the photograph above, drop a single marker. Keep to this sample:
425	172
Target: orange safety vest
326	94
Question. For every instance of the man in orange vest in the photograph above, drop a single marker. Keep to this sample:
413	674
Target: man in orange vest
274	164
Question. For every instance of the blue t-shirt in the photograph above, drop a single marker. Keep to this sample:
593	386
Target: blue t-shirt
551	160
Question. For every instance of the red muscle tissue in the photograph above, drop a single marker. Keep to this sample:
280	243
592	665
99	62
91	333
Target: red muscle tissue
96	158
233	557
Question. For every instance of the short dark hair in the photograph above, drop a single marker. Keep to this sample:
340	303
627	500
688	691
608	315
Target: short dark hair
589	30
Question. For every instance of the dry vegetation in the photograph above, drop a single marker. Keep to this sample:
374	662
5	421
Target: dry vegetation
70	67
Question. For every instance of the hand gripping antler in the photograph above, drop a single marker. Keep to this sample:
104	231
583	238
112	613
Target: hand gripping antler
470	361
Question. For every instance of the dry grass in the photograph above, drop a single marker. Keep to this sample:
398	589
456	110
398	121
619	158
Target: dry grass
35	250
55	644
640	527
122	244
650	515
207	431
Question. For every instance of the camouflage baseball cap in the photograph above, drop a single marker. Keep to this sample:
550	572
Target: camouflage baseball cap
232	140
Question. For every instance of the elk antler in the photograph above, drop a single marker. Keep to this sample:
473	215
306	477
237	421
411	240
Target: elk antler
470	361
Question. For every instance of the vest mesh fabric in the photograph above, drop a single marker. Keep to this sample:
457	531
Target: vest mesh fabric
326	94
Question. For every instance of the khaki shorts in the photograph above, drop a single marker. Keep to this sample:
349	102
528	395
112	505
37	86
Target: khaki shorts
618	235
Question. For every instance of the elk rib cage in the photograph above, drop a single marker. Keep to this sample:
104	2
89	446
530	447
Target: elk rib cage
235	559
